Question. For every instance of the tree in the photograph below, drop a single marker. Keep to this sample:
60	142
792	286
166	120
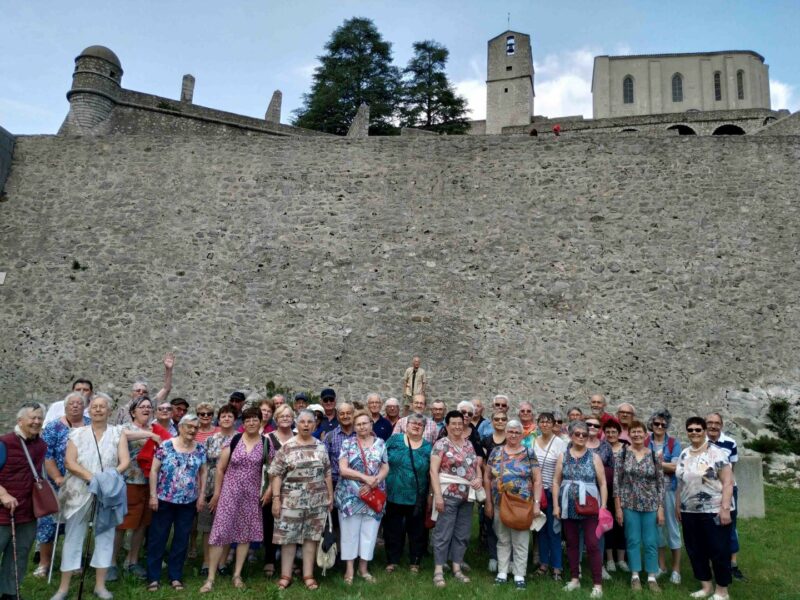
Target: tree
356	68
429	100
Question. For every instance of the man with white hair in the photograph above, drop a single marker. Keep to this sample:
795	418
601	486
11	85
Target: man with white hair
16	494
380	424
58	409
597	404
499	403
431	431
141	388
391	410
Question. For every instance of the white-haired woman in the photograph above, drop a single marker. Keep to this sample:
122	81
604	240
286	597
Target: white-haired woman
90	450
177	492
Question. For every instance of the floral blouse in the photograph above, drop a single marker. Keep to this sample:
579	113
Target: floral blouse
178	477
346	495
512	473
698	475
55	435
458	461
214	447
638	484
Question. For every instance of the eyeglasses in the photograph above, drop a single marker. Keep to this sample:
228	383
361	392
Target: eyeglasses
580	434
627	413
499	419
513	432
593	425
466	412
205	414
326	400
524	411
559	421
501	405
165	408
659	425
694	430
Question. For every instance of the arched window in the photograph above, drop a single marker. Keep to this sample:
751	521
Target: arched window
511	45
717	86
682	129
728	130
627	90
740	84
677	88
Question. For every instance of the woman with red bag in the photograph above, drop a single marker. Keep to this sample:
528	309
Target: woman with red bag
581	481
361	496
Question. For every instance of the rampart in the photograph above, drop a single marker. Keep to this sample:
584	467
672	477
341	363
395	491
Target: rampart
6	152
658	270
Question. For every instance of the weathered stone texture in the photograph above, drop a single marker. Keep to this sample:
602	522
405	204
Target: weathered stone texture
6	151
788	125
359	128
658	270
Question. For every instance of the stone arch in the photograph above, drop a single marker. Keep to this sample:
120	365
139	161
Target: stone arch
629	130
768	120
682	129
728	129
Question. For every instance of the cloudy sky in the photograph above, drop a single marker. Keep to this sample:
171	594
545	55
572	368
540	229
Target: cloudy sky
242	50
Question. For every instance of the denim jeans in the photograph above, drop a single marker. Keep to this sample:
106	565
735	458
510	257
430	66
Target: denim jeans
169	515
641	531
549	540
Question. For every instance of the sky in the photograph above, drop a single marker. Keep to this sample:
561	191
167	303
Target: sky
240	51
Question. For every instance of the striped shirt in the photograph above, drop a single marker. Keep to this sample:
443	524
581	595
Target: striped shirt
548	458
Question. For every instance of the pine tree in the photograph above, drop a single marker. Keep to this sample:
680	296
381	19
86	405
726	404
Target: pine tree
429	100
356	68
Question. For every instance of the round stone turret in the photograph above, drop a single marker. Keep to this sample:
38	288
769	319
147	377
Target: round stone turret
95	88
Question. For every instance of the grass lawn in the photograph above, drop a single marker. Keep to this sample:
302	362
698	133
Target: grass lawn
770	558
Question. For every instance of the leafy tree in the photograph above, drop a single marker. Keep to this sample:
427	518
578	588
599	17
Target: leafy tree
356	68
429	100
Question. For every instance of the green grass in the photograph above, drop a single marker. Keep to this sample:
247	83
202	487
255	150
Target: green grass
770	558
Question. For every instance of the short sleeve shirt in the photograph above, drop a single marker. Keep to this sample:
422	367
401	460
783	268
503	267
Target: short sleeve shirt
459	461
698	473
178	480
512	473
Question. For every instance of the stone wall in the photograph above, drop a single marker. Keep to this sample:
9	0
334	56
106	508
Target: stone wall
6	152
788	125
657	270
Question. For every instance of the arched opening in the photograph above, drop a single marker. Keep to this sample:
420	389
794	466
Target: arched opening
677	88
629	130
740	84
768	120
682	129
729	130
627	90
717	86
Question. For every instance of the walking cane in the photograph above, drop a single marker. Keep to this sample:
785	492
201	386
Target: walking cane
55	548
85	558
14	551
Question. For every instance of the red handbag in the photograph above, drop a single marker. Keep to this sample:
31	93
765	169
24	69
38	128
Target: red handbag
45	501
590	509
374	498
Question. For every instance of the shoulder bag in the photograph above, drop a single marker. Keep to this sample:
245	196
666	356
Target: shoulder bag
45	501
375	498
543	499
592	506
327	549
515	511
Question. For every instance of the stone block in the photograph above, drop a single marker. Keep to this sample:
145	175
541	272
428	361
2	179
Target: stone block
750	480
274	109
360	125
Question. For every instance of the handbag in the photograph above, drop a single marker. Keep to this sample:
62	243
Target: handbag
374	498
45	501
543	499
515	511
590	509
327	549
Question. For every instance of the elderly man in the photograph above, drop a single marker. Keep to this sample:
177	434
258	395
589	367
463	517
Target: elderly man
333	440
329	421
380	424
625	414
414	381
391	410
597	404
431	432
477	417
16	494
499	403
300	402
722	440
57	409
438	411
141	388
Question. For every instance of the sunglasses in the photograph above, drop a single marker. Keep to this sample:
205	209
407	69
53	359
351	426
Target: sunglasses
466	412
659	425
165	408
593	425
205	414
580	434
694	430
499	419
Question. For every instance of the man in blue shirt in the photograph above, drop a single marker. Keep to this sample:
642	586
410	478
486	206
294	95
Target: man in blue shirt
499	402
381	426
329	422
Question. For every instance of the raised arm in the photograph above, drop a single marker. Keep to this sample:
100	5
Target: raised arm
169	363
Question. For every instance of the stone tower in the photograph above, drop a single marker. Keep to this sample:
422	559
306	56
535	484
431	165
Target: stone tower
509	82
95	89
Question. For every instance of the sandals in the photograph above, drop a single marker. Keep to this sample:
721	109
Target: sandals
269	570
237	582
310	582
541	571
414	569
284	582
177	586
391	568
207	587
348	580
438	580
152	586
367	577
459	576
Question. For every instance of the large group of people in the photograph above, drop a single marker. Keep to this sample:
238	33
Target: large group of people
266	473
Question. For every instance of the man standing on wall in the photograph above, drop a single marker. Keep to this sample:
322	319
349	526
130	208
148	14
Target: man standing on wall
380	424
142	388
414	381
717	437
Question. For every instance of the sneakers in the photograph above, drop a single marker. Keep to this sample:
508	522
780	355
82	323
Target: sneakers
653	585
597	592
636	584
519	584
492	565
103	594
501	580
700	594
611	566
623	566
675	578
112	574
737	574
606	575
572	586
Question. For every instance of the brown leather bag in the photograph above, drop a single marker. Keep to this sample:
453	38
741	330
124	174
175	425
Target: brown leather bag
515	512
45	501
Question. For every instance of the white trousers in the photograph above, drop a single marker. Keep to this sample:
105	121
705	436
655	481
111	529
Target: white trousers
359	535
508	540
74	536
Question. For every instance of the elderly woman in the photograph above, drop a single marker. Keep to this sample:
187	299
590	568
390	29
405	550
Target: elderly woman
512	469
226	416
527	418
455	478
136	484
467	410
495	437
284	421
237	492
548	447
615	538
164	417
581	482
90	450
205	415
363	466
55	435
302	494
177	492
638	502
267	408
409	457
668	448
705	490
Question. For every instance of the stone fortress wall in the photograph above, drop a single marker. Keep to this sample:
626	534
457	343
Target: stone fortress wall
660	270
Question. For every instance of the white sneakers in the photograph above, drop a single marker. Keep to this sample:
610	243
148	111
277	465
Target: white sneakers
572	586
597	592
623	566
611	566
492	565
675	578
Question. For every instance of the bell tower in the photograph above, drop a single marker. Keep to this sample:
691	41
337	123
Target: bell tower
509	82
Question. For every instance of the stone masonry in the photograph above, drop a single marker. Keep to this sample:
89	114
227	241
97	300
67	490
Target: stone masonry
657	270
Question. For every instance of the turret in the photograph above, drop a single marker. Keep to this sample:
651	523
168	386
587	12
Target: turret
95	88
